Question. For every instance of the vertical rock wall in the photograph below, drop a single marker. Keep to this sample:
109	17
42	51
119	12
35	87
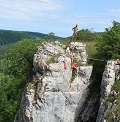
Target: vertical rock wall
108	80
54	97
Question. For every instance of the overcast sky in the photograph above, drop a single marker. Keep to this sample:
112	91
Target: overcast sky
58	16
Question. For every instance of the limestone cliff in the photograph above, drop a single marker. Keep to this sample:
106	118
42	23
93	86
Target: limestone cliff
108	80
56	95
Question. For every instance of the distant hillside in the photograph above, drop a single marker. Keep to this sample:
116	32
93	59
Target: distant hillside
9	37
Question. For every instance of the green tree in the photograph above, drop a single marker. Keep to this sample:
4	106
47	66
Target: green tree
10	95
10	37
14	68
86	35
50	36
109	46
19	58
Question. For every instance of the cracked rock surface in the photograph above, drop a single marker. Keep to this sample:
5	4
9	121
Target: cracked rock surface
54	97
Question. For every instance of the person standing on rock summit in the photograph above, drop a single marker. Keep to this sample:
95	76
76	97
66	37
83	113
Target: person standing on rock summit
75	31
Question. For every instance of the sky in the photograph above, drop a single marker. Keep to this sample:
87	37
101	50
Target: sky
58	16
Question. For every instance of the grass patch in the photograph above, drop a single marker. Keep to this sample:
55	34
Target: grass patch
53	59
91	49
114	109
111	98
66	41
116	86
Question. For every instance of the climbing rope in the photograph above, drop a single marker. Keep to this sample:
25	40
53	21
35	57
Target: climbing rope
97	59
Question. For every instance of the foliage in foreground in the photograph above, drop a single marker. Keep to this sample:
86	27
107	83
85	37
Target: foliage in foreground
14	68
115	109
86	35
19	58
109	47
10	95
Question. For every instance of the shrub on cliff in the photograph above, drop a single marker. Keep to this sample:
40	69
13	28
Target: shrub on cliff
14	68
109	47
19	58
10	95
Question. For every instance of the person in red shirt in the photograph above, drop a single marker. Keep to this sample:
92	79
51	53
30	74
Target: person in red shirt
74	68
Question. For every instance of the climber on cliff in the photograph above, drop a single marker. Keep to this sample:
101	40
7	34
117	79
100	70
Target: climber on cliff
27	113
48	69
75	31
41	67
68	50
71	56
118	62
118	70
74	68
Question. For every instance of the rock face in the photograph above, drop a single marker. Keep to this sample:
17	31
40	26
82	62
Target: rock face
81	48
56	95
106	85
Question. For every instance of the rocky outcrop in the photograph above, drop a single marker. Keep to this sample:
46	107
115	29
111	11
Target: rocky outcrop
56	94
80	47
106	85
